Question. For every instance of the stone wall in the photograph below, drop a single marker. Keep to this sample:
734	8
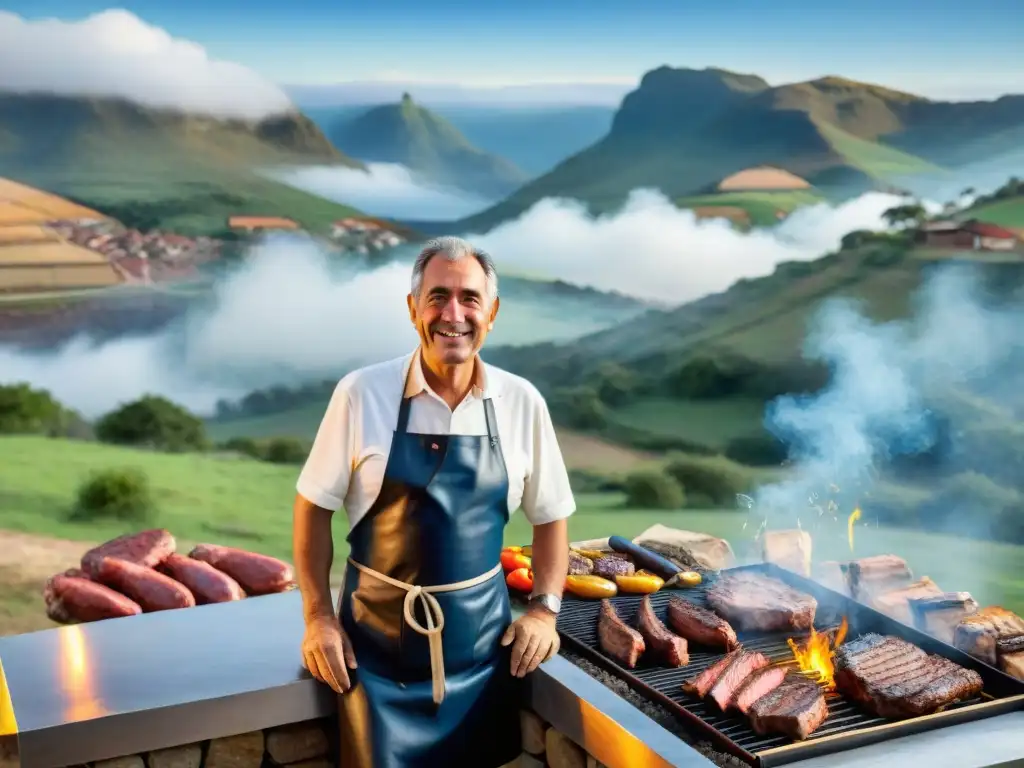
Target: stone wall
309	745
302	745
544	745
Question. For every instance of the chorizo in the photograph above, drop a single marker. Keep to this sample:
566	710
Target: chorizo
257	574
146	548
205	582
150	589
72	599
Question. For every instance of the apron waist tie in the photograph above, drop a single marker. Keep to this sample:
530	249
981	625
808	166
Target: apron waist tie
432	611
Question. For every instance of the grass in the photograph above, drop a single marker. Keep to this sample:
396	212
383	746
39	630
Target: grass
1005	213
760	206
874	159
706	422
245	503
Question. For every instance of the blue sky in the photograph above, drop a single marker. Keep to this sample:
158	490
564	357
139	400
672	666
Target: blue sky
936	47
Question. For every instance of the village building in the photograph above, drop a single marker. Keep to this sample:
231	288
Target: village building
968	235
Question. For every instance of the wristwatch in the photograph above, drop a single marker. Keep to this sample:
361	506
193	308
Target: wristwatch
552	603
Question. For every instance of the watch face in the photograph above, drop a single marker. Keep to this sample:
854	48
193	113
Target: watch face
550	602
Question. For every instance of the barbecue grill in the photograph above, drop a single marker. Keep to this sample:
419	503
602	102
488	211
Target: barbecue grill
847	726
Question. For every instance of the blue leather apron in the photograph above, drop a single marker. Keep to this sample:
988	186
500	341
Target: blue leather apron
438	521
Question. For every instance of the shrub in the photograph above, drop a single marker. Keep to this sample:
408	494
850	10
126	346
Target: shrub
650	489
153	422
285	450
589	481
580	408
756	451
243	445
616	385
115	494
717	481
28	411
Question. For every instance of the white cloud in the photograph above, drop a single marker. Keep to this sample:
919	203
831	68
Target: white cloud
116	54
387	190
653	250
294	313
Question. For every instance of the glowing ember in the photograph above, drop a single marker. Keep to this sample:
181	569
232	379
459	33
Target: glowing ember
854	517
814	655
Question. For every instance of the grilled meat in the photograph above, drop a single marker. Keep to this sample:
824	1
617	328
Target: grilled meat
1005	645
880	573
1013	664
621	642
938	615
665	646
734	675
703	683
896	602
759	683
679	555
699	625
896	679
580	565
979	633
753	601
796	708
610	566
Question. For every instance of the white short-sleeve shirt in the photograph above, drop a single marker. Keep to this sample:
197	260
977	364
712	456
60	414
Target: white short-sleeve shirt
346	465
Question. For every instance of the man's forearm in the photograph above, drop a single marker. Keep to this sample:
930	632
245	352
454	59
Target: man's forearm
313	552
550	558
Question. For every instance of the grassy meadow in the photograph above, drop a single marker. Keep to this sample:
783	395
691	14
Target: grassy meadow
246	503
760	206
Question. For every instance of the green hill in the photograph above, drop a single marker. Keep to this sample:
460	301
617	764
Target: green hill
683	130
429	145
183	172
1004	206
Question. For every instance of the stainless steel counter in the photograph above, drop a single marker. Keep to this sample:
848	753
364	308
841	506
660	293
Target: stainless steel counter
94	691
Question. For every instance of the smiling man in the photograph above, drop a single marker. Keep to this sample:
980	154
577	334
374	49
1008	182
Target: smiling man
429	454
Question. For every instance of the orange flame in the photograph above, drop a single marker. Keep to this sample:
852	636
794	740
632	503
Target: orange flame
854	517
814	655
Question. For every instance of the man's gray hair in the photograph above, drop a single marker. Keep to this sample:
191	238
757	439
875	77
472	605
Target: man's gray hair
453	249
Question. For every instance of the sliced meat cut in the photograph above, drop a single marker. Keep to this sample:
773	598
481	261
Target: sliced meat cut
732	676
699	625
759	683
702	683
665	646
610	566
753	601
979	633
893	678
796	709
621	642
580	565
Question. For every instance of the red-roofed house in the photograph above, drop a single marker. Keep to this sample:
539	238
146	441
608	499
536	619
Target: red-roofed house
990	237
974	235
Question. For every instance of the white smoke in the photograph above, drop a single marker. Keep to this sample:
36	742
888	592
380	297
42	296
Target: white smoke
388	189
116	54
653	250
292	312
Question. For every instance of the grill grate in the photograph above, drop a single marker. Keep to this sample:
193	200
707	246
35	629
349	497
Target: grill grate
577	623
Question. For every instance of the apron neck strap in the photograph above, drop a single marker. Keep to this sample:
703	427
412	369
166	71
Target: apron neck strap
403	416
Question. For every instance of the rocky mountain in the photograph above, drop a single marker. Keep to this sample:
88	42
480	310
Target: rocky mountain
683	130
428	144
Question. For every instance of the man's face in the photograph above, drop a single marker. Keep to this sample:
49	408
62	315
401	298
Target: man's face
453	313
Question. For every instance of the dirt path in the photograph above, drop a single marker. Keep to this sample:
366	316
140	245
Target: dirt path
26	561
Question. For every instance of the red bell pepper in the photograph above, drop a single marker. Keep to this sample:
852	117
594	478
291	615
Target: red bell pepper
521	580
512	561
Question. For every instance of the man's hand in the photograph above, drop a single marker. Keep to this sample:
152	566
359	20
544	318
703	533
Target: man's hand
535	638
327	653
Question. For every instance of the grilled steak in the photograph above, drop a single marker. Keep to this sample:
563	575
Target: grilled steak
699	625
753	601
759	683
1013	664
795	709
610	566
979	633
665	646
896	602
732	677
703	683
580	565
938	615
875	575
619	641
896	679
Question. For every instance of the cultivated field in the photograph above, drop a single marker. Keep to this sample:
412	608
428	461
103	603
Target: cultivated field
760	206
1005	213
53	207
246	503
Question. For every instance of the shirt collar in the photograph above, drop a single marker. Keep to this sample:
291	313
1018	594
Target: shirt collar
415	383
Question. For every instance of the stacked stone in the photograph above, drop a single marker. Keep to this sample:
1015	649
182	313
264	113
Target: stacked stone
547	747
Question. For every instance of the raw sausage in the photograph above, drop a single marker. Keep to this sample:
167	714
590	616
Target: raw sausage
205	582
148	548
150	589
71	599
258	574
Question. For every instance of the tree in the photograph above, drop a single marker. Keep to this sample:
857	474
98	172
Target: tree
650	489
153	422
28	411
907	215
